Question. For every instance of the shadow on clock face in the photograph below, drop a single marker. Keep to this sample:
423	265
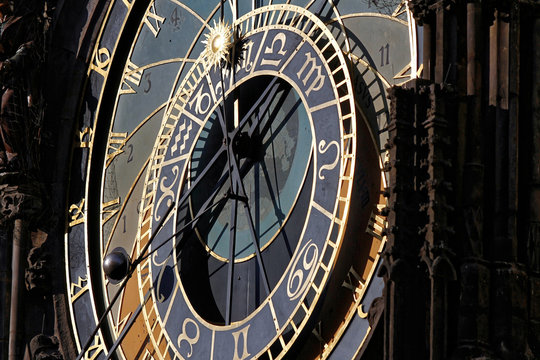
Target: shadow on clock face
256	194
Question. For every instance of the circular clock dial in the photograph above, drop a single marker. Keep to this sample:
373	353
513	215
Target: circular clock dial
259	258
241	172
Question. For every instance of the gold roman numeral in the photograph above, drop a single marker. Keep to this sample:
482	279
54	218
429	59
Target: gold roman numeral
240	351
115	146
376	225
353	282
153	20
132	77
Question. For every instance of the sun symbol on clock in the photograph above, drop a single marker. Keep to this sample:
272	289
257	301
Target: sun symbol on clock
218	44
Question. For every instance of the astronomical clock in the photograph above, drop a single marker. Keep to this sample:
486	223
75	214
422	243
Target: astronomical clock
227	185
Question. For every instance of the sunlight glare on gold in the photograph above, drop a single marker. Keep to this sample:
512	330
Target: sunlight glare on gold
218	43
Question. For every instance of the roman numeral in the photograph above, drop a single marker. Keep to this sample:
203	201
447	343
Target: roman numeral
153	20
353	282
376	225
132	76
240	352
115	146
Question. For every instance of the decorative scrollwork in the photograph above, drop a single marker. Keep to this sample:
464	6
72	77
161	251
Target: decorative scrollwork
168	193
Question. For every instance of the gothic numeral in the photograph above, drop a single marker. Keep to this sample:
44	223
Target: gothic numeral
116	146
77	214
79	288
153	20
85	137
317	332
95	349
101	62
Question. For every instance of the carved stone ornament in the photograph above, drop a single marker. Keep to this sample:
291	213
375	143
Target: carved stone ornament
43	347
18	201
37	276
420	10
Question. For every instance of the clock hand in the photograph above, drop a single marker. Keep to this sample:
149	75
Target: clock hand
254	238
262	104
286	118
127	277
133	266
128	325
200	177
232	243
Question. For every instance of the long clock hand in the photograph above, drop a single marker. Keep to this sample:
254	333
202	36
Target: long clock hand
119	292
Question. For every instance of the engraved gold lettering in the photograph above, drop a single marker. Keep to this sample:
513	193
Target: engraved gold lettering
361	312
244	352
78	288
95	349
376	225
318	82
280	37
115	146
85	137
77	214
153	20
132	76
353	282
102	59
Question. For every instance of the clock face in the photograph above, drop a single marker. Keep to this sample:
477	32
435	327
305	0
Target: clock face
233	151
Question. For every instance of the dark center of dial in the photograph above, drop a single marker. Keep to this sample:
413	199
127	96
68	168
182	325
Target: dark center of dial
272	154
